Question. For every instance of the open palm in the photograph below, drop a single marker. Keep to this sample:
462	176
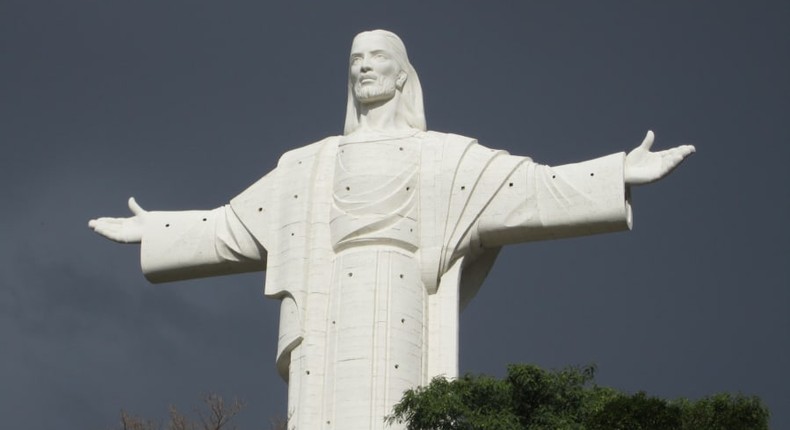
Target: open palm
643	166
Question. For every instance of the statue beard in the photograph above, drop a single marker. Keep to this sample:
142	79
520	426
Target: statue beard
376	92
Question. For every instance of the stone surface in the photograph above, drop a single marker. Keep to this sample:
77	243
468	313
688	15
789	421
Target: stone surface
374	241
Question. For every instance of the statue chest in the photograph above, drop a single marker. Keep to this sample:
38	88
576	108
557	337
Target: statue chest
375	194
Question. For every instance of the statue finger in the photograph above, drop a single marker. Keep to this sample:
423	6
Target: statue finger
112	232
647	143
97	224
673	157
676	155
105	226
134	207
102	229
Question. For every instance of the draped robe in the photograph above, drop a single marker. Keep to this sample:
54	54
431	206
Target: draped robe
371	285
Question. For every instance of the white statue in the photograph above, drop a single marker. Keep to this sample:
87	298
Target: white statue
375	240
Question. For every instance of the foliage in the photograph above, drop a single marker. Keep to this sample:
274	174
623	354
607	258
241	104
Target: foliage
466	403
636	412
530	398
724	411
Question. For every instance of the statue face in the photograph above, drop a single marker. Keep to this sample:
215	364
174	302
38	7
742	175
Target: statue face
374	73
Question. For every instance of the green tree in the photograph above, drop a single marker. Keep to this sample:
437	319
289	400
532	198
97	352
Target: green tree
725	411
530	398
636	412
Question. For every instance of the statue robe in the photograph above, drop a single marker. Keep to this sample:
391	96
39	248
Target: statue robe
472	201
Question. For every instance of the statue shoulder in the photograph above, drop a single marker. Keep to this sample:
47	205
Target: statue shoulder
298	157
447	138
470	145
260	199
306	153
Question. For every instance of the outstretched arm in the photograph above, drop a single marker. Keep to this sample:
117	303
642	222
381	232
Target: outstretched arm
539	202
186	244
644	167
542	202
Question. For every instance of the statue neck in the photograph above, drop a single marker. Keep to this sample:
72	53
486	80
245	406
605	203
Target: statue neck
381	116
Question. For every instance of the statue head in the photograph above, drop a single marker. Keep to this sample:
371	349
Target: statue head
380	71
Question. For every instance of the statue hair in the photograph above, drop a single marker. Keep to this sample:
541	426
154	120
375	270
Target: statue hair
410	105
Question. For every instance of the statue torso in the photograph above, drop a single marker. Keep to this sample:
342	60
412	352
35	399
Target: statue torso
375	192
375	312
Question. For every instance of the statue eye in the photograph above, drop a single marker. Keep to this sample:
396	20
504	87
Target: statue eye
355	60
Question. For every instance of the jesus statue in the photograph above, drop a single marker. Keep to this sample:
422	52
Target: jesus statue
375	240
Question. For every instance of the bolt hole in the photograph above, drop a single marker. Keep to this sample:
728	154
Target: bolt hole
403	320
348	188
204	219
510	185
396	366
463	187
592	174
401	275
167	225
260	209
296	196
307	372
350	274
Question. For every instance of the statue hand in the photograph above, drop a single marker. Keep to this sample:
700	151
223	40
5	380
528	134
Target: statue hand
644	167
123	230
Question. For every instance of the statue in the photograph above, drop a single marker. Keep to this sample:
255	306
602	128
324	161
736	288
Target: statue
375	240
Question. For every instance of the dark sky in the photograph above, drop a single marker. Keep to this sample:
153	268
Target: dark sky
183	104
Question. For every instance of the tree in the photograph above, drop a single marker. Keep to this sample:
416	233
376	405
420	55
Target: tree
636	412
724	411
530	398
215	415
